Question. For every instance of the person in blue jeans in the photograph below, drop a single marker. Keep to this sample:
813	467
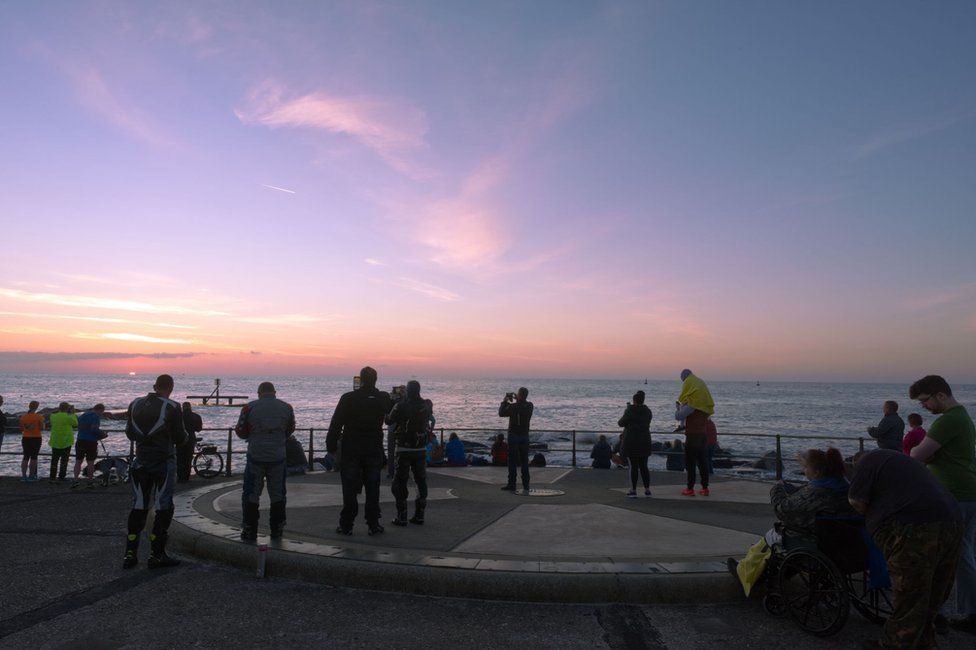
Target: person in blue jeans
518	410
266	423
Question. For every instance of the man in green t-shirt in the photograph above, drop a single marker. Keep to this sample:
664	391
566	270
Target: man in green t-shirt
949	449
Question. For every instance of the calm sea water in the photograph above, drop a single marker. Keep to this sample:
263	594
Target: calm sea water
838	410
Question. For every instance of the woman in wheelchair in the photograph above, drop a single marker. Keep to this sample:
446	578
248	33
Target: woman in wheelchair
824	495
798	507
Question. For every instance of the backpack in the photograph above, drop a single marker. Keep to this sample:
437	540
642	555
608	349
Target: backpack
412	422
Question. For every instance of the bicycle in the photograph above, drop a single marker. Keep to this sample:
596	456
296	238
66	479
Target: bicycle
112	469
208	462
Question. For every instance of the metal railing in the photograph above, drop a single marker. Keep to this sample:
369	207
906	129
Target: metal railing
571	444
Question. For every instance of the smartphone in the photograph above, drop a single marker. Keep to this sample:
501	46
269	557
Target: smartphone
356	382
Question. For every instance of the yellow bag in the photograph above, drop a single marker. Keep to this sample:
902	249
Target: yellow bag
751	567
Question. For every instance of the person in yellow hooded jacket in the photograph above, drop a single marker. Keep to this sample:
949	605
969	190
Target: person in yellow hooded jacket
694	406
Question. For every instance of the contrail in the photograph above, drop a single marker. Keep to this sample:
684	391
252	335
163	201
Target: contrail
275	187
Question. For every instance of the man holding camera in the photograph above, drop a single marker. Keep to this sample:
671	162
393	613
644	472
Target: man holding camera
518	410
358	422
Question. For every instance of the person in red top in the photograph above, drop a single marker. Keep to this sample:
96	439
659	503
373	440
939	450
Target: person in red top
499	451
915	436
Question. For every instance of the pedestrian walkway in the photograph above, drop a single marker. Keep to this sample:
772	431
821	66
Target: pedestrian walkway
585	541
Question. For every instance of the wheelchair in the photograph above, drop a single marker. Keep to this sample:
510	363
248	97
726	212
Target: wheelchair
817	584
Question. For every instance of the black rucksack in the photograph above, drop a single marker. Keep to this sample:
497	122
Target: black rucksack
412	421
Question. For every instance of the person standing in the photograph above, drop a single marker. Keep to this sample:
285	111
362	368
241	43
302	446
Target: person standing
917	525
891	429
518	410
266	423
409	419
89	433
636	446
357	425
31	425
949	450
399	394
63	425
695	405
915	435
155	424
193	424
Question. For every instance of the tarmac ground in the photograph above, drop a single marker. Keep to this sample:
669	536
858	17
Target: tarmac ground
63	587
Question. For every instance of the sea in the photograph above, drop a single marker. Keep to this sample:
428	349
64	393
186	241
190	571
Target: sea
748	414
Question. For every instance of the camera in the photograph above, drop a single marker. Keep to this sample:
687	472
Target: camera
509	397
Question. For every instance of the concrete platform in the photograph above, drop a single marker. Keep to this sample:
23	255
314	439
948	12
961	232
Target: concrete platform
585	542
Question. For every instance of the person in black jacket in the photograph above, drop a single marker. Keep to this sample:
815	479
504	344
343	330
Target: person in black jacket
518	410
155	425
409	420
356	434
193	424
636	446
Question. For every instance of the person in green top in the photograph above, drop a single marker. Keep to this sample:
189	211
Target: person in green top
63	425
949	450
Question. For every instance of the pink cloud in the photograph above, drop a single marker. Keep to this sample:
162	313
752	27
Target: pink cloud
392	129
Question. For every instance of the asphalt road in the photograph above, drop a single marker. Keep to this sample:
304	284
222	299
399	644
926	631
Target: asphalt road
61	586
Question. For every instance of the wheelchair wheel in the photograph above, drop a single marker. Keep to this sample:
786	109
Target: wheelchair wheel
774	604
814	593
208	464
875	605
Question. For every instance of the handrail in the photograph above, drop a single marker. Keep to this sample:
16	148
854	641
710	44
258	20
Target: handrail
573	433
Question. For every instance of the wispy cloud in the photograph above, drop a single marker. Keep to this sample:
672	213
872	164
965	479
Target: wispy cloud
95	319
280	189
429	290
285	319
671	320
40	357
907	132
392	129
123	278
103	303
952	297
95	94
373	262
139	338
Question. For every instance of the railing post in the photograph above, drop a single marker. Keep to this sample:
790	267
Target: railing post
779	459
860	443
574	447
230	449
311	448
442	436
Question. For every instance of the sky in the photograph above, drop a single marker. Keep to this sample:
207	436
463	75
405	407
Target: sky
754	190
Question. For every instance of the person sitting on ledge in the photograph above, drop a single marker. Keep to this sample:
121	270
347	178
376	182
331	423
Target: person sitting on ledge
601	453
676	455
435	452
499	451
454	449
